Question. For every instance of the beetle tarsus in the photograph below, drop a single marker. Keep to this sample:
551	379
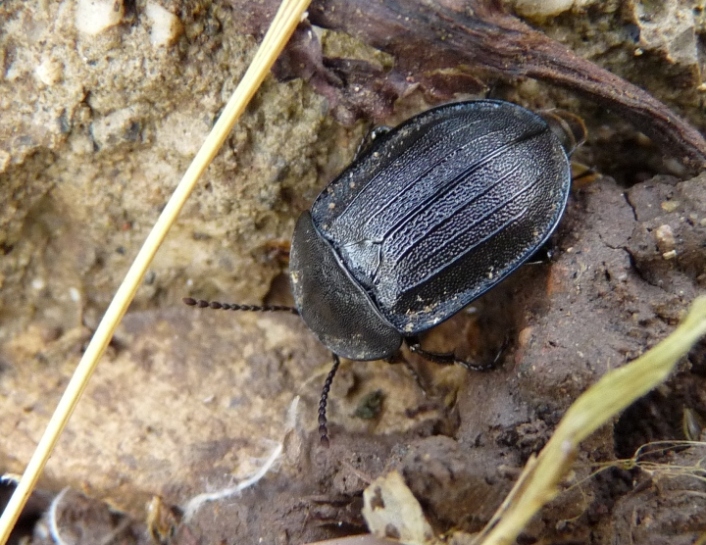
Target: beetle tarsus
323	428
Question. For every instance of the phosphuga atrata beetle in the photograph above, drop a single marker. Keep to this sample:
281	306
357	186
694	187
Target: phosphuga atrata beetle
433	214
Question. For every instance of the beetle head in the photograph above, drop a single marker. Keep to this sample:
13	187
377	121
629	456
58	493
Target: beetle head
332	303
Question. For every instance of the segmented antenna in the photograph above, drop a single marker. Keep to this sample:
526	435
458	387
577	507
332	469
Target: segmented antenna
323	428
201	303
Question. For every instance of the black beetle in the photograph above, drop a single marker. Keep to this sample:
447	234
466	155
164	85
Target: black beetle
433	214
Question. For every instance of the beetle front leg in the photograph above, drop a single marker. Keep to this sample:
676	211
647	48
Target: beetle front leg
399	358
449	358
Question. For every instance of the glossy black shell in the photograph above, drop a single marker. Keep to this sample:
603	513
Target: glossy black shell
434	214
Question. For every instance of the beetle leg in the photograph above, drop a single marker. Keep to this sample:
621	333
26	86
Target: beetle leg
414	345
323	428
544	254
369	139
450	358
399	358
582	175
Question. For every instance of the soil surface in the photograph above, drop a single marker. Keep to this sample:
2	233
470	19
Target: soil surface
96	130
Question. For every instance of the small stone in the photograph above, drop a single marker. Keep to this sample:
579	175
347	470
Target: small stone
4	160
49	72
665	238
670	206
542	8
524	337
95	16
166	27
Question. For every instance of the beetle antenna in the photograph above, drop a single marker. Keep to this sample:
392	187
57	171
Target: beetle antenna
201	303
323	428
